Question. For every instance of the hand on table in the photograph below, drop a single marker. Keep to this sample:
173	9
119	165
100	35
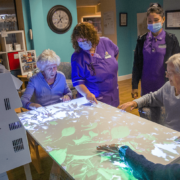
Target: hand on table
66	98
38	108
34	106
134	93
131	104
91	97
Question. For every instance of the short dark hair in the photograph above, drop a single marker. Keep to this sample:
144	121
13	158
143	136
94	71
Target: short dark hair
155	8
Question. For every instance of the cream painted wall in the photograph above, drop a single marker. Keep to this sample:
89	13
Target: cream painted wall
107	6
87	11
87	2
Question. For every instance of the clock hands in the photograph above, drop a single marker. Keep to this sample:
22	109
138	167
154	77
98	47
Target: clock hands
60	19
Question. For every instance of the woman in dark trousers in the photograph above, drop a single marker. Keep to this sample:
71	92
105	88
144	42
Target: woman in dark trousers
152	51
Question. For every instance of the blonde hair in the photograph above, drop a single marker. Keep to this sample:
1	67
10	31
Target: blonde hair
175	60
46	58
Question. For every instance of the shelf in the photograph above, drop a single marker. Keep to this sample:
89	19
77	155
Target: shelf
1	52
14	32
15	51
18	38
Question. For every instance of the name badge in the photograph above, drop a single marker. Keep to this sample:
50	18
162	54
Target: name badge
162	46
107	55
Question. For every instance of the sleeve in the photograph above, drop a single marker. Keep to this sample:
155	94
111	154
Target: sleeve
111	45
154	99
77	74
146	170
115	48
26	97
136	72
67	91
176	47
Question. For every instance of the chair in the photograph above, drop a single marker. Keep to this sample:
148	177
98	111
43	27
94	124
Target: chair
155	114
65	67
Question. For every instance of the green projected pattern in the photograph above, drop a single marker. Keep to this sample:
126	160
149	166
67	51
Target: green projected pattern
71	131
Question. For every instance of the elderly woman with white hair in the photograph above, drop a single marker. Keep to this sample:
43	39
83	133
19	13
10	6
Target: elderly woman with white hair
48	86
167	96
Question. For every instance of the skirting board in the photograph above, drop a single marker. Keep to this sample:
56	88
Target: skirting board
122	78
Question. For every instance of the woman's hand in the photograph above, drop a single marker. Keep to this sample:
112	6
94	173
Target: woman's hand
134	93
91	97
34	106
131	104
66	98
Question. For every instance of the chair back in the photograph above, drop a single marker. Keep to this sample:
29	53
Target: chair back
154	114
65	67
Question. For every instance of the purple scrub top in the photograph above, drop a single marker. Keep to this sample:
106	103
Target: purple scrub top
153	65
98	72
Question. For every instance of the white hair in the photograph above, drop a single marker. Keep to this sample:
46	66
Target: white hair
46	58
175	60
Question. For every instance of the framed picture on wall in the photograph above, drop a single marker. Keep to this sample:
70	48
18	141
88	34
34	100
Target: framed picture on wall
172	19
27	61
96	21
122	19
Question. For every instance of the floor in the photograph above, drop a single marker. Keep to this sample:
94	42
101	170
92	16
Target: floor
46	161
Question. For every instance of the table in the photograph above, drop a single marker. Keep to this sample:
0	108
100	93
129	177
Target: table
24	79
70	132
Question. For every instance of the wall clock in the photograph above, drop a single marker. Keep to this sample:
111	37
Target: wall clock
59	19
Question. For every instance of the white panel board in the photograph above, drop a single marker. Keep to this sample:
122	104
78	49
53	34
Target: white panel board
14	149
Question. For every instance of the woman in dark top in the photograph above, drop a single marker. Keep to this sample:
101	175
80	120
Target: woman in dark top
152	51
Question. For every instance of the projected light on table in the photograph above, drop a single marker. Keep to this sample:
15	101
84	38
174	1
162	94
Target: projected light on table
71	131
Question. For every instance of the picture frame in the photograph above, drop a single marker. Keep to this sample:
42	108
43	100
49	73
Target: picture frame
123	19
27	61
172	19
95	21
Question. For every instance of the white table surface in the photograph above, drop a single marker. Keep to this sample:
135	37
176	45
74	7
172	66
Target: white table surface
70	132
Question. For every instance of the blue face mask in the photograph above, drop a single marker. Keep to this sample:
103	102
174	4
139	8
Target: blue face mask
86	45
154	27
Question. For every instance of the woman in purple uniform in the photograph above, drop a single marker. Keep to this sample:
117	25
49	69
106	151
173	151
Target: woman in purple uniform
152	51
94	65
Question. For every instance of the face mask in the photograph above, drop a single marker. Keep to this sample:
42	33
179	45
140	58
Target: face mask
85	45
154	27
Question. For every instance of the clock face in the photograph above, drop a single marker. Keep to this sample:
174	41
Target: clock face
59	19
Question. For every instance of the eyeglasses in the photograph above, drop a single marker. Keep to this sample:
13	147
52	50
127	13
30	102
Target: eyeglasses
169	73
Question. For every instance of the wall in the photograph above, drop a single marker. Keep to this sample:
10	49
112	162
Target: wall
27	23
87	11
172	5
87	2
107	6
127	36
35	16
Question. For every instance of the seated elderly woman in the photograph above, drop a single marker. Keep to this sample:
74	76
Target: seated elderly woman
48	86
167	96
